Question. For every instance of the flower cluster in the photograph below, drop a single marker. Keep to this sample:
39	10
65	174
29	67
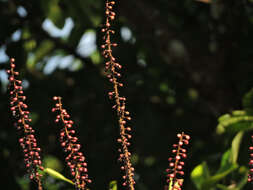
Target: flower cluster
112	68
27	140
175	170
75	159
250	176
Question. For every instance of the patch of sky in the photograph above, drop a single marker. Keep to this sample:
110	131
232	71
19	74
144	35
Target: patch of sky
126	33
142	62
56	32
66	62
51	64
62	62
4	80
16	36
25	84
21	11
87	44
3	57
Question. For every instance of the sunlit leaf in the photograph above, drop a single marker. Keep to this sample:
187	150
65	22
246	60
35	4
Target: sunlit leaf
113	185
234	123
235	147
57	175
95	57
224	117
239	113
200	174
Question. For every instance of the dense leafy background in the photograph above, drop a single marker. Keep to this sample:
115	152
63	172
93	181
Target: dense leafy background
185	63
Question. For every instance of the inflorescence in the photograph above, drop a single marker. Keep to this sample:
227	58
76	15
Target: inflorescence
175	170
112	67
250	176
27	140
75	159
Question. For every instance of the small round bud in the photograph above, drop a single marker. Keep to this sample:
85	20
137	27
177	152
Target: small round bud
12	60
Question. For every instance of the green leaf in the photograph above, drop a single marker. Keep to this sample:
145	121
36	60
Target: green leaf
240	120
238	113
200	174
235	147
237	186
220	128
113	185
228	163
216	178
247	102
235	124
95	57
224	117
57	175
225	161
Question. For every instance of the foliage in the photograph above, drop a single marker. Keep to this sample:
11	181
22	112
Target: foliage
201	174
238	122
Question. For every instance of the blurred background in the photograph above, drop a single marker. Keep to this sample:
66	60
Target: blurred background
185	63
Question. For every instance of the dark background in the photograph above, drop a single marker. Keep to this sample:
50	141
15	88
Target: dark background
185	63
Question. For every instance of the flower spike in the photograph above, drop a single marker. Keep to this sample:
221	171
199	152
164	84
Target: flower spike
175	171
112	67
75	159
22	122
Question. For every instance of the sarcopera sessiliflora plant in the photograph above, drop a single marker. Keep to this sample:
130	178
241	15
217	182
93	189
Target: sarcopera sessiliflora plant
112	67
175	173
75	159
22	120
70	143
